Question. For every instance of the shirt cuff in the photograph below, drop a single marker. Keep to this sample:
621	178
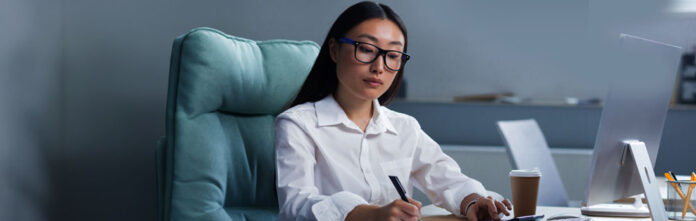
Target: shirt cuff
337	206
476	188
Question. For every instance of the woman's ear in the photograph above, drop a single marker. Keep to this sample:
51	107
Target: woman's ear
333	49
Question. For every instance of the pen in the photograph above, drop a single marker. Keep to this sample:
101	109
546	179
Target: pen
673	175
669	177
399	188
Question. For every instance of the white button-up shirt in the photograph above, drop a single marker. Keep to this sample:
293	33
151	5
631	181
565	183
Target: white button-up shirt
326	165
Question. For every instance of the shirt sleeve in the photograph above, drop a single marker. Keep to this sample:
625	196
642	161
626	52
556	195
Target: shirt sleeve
439	176
298	195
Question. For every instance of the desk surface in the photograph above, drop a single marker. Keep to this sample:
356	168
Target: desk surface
434	213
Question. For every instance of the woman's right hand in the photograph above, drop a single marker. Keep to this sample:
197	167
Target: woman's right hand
400	210
396	210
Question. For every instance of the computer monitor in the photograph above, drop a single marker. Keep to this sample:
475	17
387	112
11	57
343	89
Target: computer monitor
635	109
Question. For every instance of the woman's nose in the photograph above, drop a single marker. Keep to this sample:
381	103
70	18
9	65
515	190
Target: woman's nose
378	65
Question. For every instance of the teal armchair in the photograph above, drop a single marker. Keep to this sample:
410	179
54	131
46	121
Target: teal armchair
217	159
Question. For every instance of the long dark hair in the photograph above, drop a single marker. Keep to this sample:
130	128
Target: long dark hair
322	79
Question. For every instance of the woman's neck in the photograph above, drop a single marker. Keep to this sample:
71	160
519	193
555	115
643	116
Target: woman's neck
359	111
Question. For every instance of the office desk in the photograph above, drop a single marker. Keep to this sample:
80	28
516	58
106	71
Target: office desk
434	213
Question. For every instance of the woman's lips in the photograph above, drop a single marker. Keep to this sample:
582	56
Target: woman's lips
373	82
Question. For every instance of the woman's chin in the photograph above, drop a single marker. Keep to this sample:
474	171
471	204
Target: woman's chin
371	95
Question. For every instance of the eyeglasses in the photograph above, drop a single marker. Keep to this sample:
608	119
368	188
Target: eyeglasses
368	53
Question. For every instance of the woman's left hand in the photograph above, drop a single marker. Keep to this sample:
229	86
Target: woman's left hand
487	208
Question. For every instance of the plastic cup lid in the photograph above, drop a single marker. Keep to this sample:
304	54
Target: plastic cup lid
535	172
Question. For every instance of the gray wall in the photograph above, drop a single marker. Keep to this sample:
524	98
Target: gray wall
30	107
538	49
474	47
83	83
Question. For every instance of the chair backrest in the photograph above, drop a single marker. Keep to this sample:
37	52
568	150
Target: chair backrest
217	159
527	148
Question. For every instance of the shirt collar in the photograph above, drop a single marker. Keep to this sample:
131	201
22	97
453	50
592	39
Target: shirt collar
381	120
330	113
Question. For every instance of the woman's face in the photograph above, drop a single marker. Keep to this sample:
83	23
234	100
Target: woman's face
366	81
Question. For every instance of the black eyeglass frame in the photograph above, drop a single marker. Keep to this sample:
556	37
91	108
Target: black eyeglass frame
404	57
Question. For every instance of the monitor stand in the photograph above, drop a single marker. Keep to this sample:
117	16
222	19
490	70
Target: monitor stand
656	208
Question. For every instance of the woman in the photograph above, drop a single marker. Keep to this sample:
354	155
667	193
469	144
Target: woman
337	145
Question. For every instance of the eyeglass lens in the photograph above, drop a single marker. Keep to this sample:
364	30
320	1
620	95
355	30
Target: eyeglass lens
367	53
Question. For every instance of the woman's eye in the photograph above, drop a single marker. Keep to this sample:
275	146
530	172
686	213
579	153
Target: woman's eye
366	50
393	56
